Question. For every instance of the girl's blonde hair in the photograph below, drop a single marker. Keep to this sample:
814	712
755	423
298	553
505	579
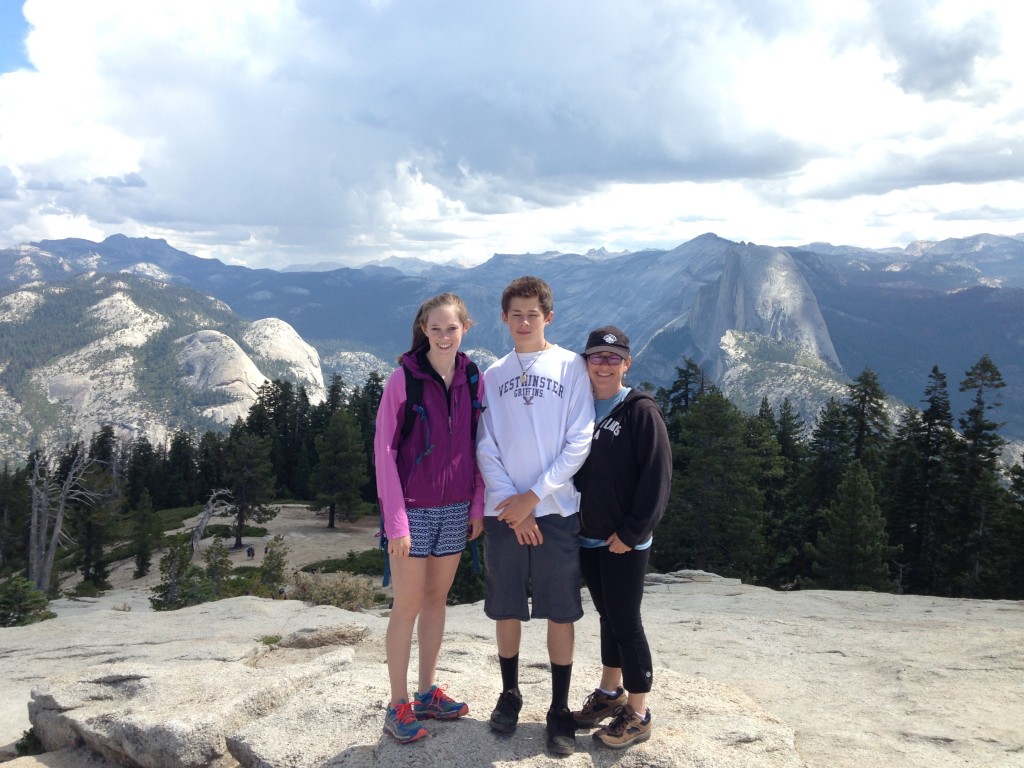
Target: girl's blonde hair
419	336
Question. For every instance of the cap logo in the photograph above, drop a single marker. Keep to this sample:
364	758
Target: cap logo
610	338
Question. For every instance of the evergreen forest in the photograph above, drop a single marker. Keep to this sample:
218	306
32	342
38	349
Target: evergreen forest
917	500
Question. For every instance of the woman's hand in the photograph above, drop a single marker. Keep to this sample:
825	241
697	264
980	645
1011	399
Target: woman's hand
615	545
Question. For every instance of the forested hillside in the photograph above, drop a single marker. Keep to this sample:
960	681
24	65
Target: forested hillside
857	500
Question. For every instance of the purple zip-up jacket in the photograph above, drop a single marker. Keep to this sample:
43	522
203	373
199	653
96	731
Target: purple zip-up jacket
417	473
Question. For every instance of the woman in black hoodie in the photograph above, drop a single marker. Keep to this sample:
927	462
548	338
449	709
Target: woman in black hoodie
624	487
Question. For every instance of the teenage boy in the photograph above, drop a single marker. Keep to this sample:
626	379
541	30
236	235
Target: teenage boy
535	434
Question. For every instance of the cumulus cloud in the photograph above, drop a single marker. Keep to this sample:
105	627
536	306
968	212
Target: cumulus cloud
280	131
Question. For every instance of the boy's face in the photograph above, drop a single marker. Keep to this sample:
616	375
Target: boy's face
526	321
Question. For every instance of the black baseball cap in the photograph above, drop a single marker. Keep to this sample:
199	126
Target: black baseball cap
608	339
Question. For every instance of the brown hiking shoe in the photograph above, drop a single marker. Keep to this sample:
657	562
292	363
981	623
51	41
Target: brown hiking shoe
597	707
625	729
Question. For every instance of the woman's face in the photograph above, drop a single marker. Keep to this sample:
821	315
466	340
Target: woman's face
444	330
605	378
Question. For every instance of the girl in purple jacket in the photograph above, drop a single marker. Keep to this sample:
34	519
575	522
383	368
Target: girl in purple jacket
431	498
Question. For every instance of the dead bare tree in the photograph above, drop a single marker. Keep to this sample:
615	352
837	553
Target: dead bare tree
217	504
51	499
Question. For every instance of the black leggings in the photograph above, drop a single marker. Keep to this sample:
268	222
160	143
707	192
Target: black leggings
616	585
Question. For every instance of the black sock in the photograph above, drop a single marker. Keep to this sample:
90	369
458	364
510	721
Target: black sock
509	672
561	677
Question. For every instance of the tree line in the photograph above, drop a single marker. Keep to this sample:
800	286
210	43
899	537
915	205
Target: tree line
913	500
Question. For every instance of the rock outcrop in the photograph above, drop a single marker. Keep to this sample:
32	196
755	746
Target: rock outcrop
744	677
212	361
275	340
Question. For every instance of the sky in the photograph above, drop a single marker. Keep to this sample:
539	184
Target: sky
293	132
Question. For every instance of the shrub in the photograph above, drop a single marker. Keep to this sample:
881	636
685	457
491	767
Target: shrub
343	590
28	744
21	603
87	589
369	562
224	531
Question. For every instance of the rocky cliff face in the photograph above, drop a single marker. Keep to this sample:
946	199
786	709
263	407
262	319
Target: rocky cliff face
761	331
213	362
761	292
140	355
275	340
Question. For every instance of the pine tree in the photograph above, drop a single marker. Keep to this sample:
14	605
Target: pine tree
828	456
142	472
182	472
715	519
14	520
250	478
210	463
181	583
868	421
852	551
686	388
938	451
320	415
218	567
274	563
785	536
770	477
904	498
145	535
362	405
979	492
341	469
1012	537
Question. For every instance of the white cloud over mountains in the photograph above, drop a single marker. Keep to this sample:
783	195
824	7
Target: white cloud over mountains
280	131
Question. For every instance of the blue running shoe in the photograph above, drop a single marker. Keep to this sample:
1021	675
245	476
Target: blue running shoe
436	704
400	723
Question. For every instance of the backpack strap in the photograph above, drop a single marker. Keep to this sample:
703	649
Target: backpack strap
473	378
414	410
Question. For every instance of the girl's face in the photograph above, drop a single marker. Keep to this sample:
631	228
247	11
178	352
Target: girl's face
444	330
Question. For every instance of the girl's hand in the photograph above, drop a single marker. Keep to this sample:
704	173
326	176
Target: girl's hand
400	547
476	527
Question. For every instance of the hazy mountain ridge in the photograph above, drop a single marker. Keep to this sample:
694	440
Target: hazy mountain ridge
791	322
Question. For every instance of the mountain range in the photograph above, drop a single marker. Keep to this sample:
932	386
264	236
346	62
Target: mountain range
134	332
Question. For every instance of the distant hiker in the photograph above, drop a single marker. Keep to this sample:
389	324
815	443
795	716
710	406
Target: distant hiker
266	549
434	464
624	486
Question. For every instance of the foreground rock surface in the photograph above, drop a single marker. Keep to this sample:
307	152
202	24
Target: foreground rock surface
744	677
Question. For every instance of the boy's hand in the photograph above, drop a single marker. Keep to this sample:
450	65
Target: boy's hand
528	532
515	509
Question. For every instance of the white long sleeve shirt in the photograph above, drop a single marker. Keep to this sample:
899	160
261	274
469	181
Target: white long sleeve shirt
535	436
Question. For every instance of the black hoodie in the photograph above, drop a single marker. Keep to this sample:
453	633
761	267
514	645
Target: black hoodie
626	479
